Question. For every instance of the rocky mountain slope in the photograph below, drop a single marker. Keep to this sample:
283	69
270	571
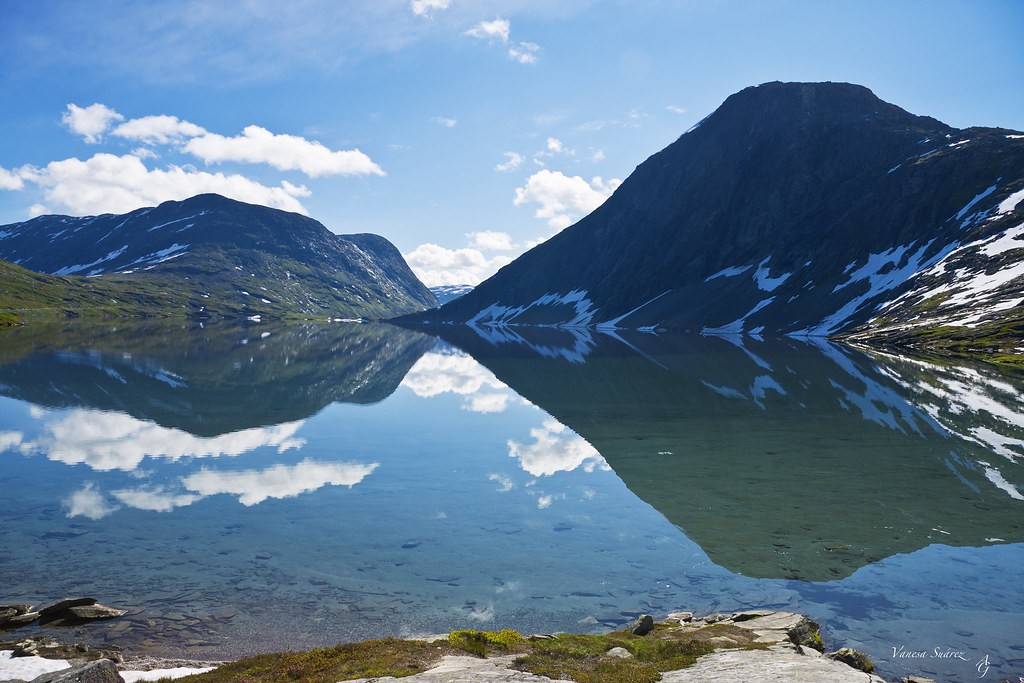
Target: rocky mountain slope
804	209
220	257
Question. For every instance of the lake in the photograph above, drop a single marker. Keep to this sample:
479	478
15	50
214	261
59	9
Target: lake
242	489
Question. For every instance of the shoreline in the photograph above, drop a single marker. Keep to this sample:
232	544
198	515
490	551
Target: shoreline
758	645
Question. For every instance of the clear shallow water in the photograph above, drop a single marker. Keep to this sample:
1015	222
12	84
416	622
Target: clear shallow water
250	489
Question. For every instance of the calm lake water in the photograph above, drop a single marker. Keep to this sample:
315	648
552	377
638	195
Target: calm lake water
245	489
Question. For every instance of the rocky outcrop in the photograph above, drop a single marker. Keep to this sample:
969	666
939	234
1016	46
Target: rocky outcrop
99	671
65	612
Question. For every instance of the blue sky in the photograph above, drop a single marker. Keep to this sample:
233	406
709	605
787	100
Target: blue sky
464	131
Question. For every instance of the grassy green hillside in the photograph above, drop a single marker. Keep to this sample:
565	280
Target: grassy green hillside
28	296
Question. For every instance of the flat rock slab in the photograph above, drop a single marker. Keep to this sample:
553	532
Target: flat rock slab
775	665
455	669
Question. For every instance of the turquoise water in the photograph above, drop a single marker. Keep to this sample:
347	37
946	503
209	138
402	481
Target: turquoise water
244	489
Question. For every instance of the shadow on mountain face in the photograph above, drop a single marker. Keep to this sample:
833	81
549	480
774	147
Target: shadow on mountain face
783	459
207	380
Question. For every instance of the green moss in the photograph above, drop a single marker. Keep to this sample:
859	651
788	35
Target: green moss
368	659
481	643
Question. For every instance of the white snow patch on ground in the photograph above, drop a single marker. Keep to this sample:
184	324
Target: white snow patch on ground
161	255
1014	137
765	282
611	324
883	273
1010	203
495	314
1011	239
157	674
176	220
967	207
27	668
68	270
736	326
728	272
893	169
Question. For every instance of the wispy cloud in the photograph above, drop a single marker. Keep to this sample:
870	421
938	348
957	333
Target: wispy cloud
500	31
497	29
424	8
513	160
445	121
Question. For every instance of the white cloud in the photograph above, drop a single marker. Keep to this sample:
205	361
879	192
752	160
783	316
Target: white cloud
562	198
284	152
489	30
114	441
9	180
524	53
490	240
676	110
555	449
106	183
446	122
555	145
38	210
90	122
435	265
280	481
88	502
423	8
161	129
515	160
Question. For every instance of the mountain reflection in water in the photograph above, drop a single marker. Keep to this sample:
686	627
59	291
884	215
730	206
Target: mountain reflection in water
784	459
248	488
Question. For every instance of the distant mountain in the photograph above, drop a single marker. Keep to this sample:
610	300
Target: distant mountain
446	293
803	209
219	257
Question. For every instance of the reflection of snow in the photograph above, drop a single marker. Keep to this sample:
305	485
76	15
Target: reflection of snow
555	449
457	373
115	441
279	481
88	502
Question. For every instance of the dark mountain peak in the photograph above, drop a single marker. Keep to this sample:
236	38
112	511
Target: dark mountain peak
794	208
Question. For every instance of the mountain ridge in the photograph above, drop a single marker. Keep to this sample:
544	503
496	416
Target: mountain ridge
794	208
229	258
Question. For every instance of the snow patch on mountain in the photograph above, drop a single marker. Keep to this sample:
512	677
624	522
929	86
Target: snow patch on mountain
613	323
68	270
728	272
967	207
765	282
496	314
